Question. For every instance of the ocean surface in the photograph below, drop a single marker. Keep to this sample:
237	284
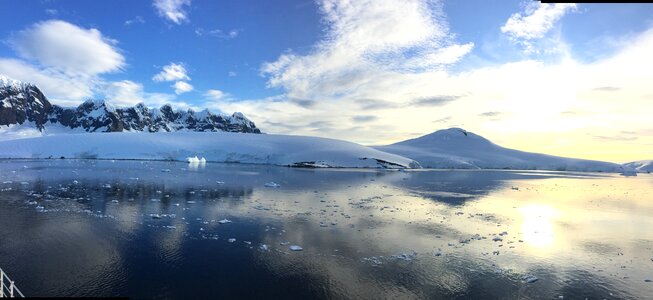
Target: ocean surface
175	230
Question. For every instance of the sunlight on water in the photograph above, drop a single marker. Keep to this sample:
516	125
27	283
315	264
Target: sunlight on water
537	229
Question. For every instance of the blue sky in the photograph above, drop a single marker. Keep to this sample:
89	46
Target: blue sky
366	71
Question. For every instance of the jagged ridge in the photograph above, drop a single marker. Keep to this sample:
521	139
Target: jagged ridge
23	102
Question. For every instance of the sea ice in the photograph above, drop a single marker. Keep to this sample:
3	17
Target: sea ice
272	184
530	279
295	248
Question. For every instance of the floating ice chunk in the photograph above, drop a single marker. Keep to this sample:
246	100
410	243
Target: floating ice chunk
155	216
40	208
404	256
295	248
196	160
438	253
224	221
165	170
114	201
231	240
530	279
264	247
272	184
219	182
247	242
497	239
75	182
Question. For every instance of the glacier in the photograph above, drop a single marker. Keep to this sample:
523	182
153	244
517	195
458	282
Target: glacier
225	147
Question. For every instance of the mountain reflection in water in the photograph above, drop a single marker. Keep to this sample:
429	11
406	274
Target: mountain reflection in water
170	230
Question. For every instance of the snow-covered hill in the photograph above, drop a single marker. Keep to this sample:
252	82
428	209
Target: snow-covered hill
456	148
25	111
283	150
641	166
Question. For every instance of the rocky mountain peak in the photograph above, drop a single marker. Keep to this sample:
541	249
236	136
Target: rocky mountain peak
23	102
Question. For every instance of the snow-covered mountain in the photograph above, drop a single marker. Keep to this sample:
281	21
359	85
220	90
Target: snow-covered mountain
641	166
23	105
456	148
283	150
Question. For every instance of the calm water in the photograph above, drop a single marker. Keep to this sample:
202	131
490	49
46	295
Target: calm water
158	230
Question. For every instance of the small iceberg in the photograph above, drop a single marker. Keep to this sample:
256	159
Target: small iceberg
196	160
295	248
272	184
224	221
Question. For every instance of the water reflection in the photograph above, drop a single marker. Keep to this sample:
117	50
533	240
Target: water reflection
537	227
165	230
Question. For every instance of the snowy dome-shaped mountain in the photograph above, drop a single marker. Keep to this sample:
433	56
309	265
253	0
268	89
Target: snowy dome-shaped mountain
456	148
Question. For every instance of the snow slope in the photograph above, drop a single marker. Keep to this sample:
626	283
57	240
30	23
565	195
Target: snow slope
284	150
456	148
641	166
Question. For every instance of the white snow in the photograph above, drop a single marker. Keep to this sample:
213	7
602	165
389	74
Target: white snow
641	166
196	160
283	150
29	130
456	148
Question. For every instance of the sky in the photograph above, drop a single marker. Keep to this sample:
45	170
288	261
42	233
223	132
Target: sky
564	79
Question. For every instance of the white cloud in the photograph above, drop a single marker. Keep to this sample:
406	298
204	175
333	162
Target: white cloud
215	95
172	10
59	87
536	20
172	72
69	48
232	74
182	87
364	40
51	12
65	61
135	20
129	93
219	33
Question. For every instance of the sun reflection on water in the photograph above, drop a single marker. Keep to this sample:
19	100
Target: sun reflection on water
537	228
